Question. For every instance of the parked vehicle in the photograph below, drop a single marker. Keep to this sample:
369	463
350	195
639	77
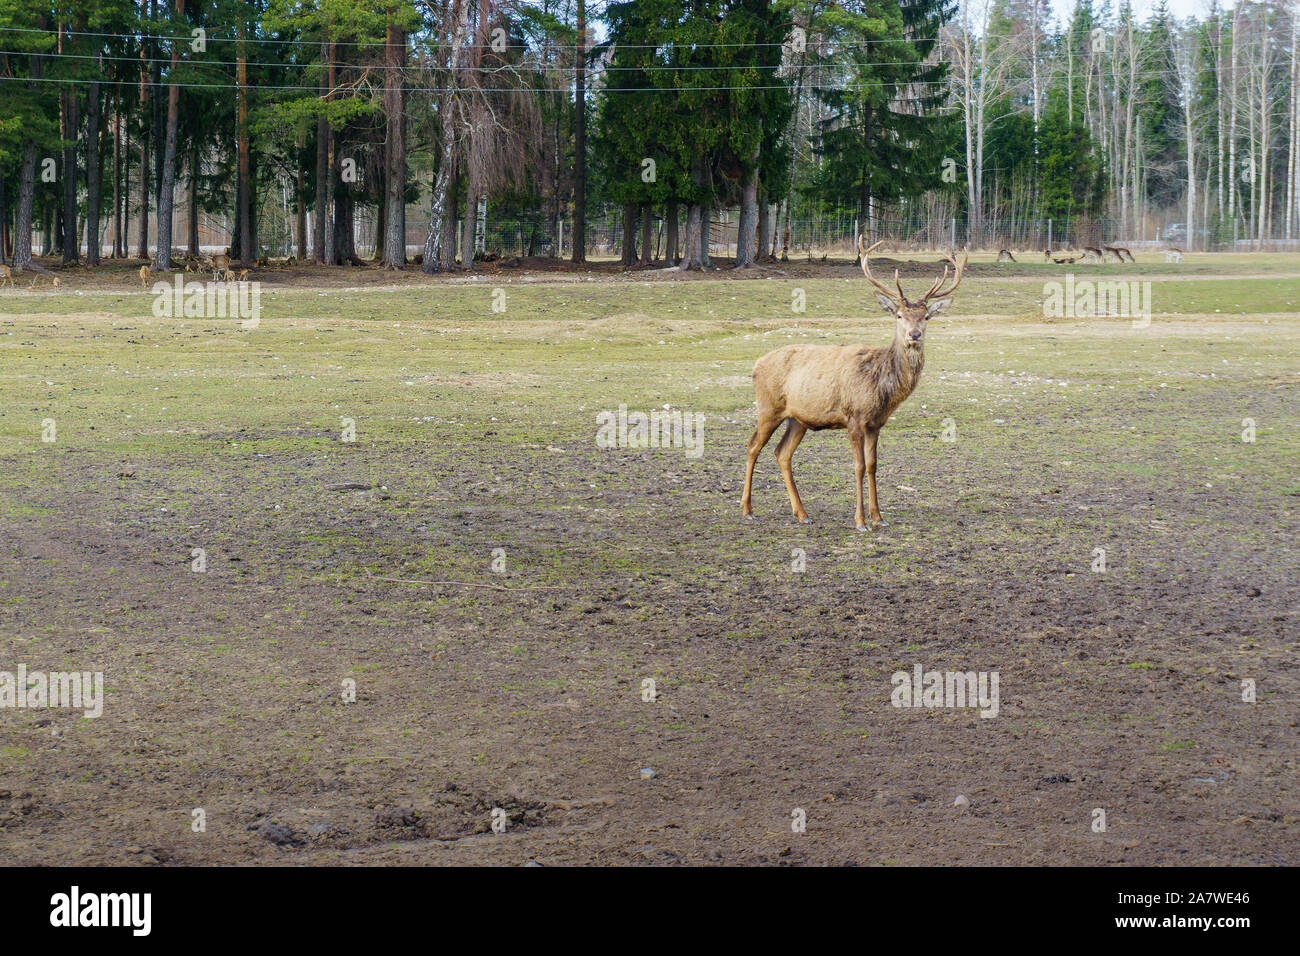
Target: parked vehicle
1178	233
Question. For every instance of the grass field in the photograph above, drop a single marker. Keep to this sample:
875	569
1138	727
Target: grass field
522	691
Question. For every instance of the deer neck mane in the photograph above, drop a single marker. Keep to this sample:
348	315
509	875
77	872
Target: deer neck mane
907	364
888	377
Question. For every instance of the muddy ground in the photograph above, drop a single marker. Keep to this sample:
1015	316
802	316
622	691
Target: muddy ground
523	691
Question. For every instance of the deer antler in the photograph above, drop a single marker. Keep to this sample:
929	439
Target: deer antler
866	270
937	282
936	290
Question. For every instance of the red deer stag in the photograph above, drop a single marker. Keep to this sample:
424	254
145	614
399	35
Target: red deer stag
855	387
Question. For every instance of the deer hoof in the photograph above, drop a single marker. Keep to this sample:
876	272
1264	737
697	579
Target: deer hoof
863	527
804	520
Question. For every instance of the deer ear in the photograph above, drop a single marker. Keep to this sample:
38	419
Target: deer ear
934	308
886	303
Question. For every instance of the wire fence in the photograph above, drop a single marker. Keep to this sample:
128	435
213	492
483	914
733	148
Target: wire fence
813	237
808	237
828	234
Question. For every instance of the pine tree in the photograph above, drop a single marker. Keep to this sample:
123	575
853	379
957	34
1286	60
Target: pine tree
883	139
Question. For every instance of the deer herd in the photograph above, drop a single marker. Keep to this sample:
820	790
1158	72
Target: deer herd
219	265
7	279
1069	256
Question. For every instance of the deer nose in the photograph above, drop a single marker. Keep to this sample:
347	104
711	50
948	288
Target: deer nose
916	336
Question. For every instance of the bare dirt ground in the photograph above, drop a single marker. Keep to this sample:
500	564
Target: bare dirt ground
523	691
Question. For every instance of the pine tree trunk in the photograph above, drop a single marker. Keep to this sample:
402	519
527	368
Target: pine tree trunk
118	251
300	208
706	234
70	251
93	166
647	247
745	251
23	214
194	201
345	250
142	250
580	141
167	186
321	239
245	251
629	235
691	240
343	230
381	220
4	225
671	250
394	234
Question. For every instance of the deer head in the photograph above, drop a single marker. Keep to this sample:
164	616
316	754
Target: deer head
911	316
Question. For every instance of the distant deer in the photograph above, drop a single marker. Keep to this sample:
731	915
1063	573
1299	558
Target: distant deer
144	276
6	276
855	387
1119	252
1173	254
221	266
1094	252
1004	255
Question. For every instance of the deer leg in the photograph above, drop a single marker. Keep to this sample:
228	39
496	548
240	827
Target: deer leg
856	438
784	453
766	425
874	505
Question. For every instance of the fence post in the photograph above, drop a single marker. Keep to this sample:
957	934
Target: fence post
1049	234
